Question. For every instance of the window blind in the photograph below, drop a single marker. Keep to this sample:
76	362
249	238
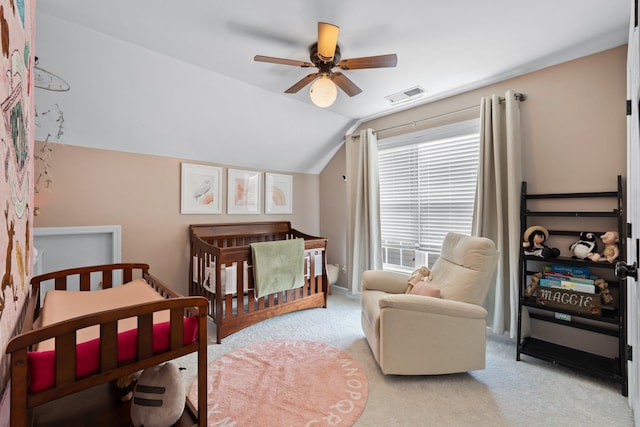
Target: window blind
427	188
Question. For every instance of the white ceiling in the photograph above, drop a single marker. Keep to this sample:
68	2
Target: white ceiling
186	72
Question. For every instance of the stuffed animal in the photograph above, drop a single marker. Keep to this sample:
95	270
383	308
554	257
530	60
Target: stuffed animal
534	238
611	251
422	274
159	397
534	280
587	244
126	385
605	293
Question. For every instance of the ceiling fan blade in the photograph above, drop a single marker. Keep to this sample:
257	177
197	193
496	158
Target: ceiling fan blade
302	83
272	60
380	61
327	40
344	83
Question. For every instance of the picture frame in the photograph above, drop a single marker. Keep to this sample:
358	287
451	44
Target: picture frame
278	196
243	191
200	189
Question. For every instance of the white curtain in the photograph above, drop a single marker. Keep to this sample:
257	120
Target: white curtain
364	244
497	205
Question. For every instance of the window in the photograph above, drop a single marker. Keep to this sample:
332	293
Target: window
427	188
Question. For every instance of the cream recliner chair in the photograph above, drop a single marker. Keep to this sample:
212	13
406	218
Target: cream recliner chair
422	335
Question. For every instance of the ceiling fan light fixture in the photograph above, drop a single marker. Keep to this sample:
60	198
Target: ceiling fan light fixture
323	92
327	40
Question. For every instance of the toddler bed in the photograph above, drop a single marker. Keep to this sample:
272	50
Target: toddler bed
222	270
80	342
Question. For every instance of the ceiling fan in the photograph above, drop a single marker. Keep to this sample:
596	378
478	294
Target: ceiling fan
325	55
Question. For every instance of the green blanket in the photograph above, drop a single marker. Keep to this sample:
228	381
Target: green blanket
277	266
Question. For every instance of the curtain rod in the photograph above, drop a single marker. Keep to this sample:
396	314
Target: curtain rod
517	96
414	123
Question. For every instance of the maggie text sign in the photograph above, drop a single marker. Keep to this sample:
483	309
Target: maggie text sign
571	300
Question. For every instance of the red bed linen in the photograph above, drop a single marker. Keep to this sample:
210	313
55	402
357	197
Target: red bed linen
42	363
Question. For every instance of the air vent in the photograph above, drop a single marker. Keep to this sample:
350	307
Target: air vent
405	95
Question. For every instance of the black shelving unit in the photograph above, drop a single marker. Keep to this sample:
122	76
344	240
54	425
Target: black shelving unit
611	321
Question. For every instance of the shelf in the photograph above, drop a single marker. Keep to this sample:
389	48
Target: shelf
572	195
612	319
607	316
571	261
577	325
590	363
572	214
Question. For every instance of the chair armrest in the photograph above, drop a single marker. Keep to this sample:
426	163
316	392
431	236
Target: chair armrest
432	305
385	281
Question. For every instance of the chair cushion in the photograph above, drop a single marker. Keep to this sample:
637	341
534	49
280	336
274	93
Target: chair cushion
464	268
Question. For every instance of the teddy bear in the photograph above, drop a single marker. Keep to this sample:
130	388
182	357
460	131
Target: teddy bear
534	238
605	293
586	245
420	275
611	251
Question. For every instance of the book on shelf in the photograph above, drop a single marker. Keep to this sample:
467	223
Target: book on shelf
581	272
561	277
569	285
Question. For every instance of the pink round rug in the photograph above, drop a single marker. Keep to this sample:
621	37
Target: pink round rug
284	383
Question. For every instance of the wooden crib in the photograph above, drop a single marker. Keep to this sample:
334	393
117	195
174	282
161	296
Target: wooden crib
221	270
92	397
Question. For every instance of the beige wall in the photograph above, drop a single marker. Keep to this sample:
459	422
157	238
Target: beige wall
142	194
333	210
573	133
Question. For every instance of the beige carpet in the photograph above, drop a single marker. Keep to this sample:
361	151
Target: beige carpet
507	393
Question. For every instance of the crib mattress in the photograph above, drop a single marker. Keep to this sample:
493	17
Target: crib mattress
59	306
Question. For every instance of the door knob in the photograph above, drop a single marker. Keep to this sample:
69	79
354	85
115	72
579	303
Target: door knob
623	270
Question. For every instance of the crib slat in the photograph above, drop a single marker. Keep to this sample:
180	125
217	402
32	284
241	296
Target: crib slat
145	336
228	307
85	281
176	335
127	275
108	346
239	287
107	279
61	283
65	358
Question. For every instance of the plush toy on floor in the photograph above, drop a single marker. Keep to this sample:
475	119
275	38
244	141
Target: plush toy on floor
588	244
126	385
611	251
534	238
159	397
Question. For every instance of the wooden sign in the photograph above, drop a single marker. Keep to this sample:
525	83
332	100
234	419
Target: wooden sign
570	300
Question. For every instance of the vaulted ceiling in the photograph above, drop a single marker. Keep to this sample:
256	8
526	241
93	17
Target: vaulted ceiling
179	79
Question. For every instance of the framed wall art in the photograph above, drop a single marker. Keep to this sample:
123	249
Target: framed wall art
278	196
243	191
201	189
